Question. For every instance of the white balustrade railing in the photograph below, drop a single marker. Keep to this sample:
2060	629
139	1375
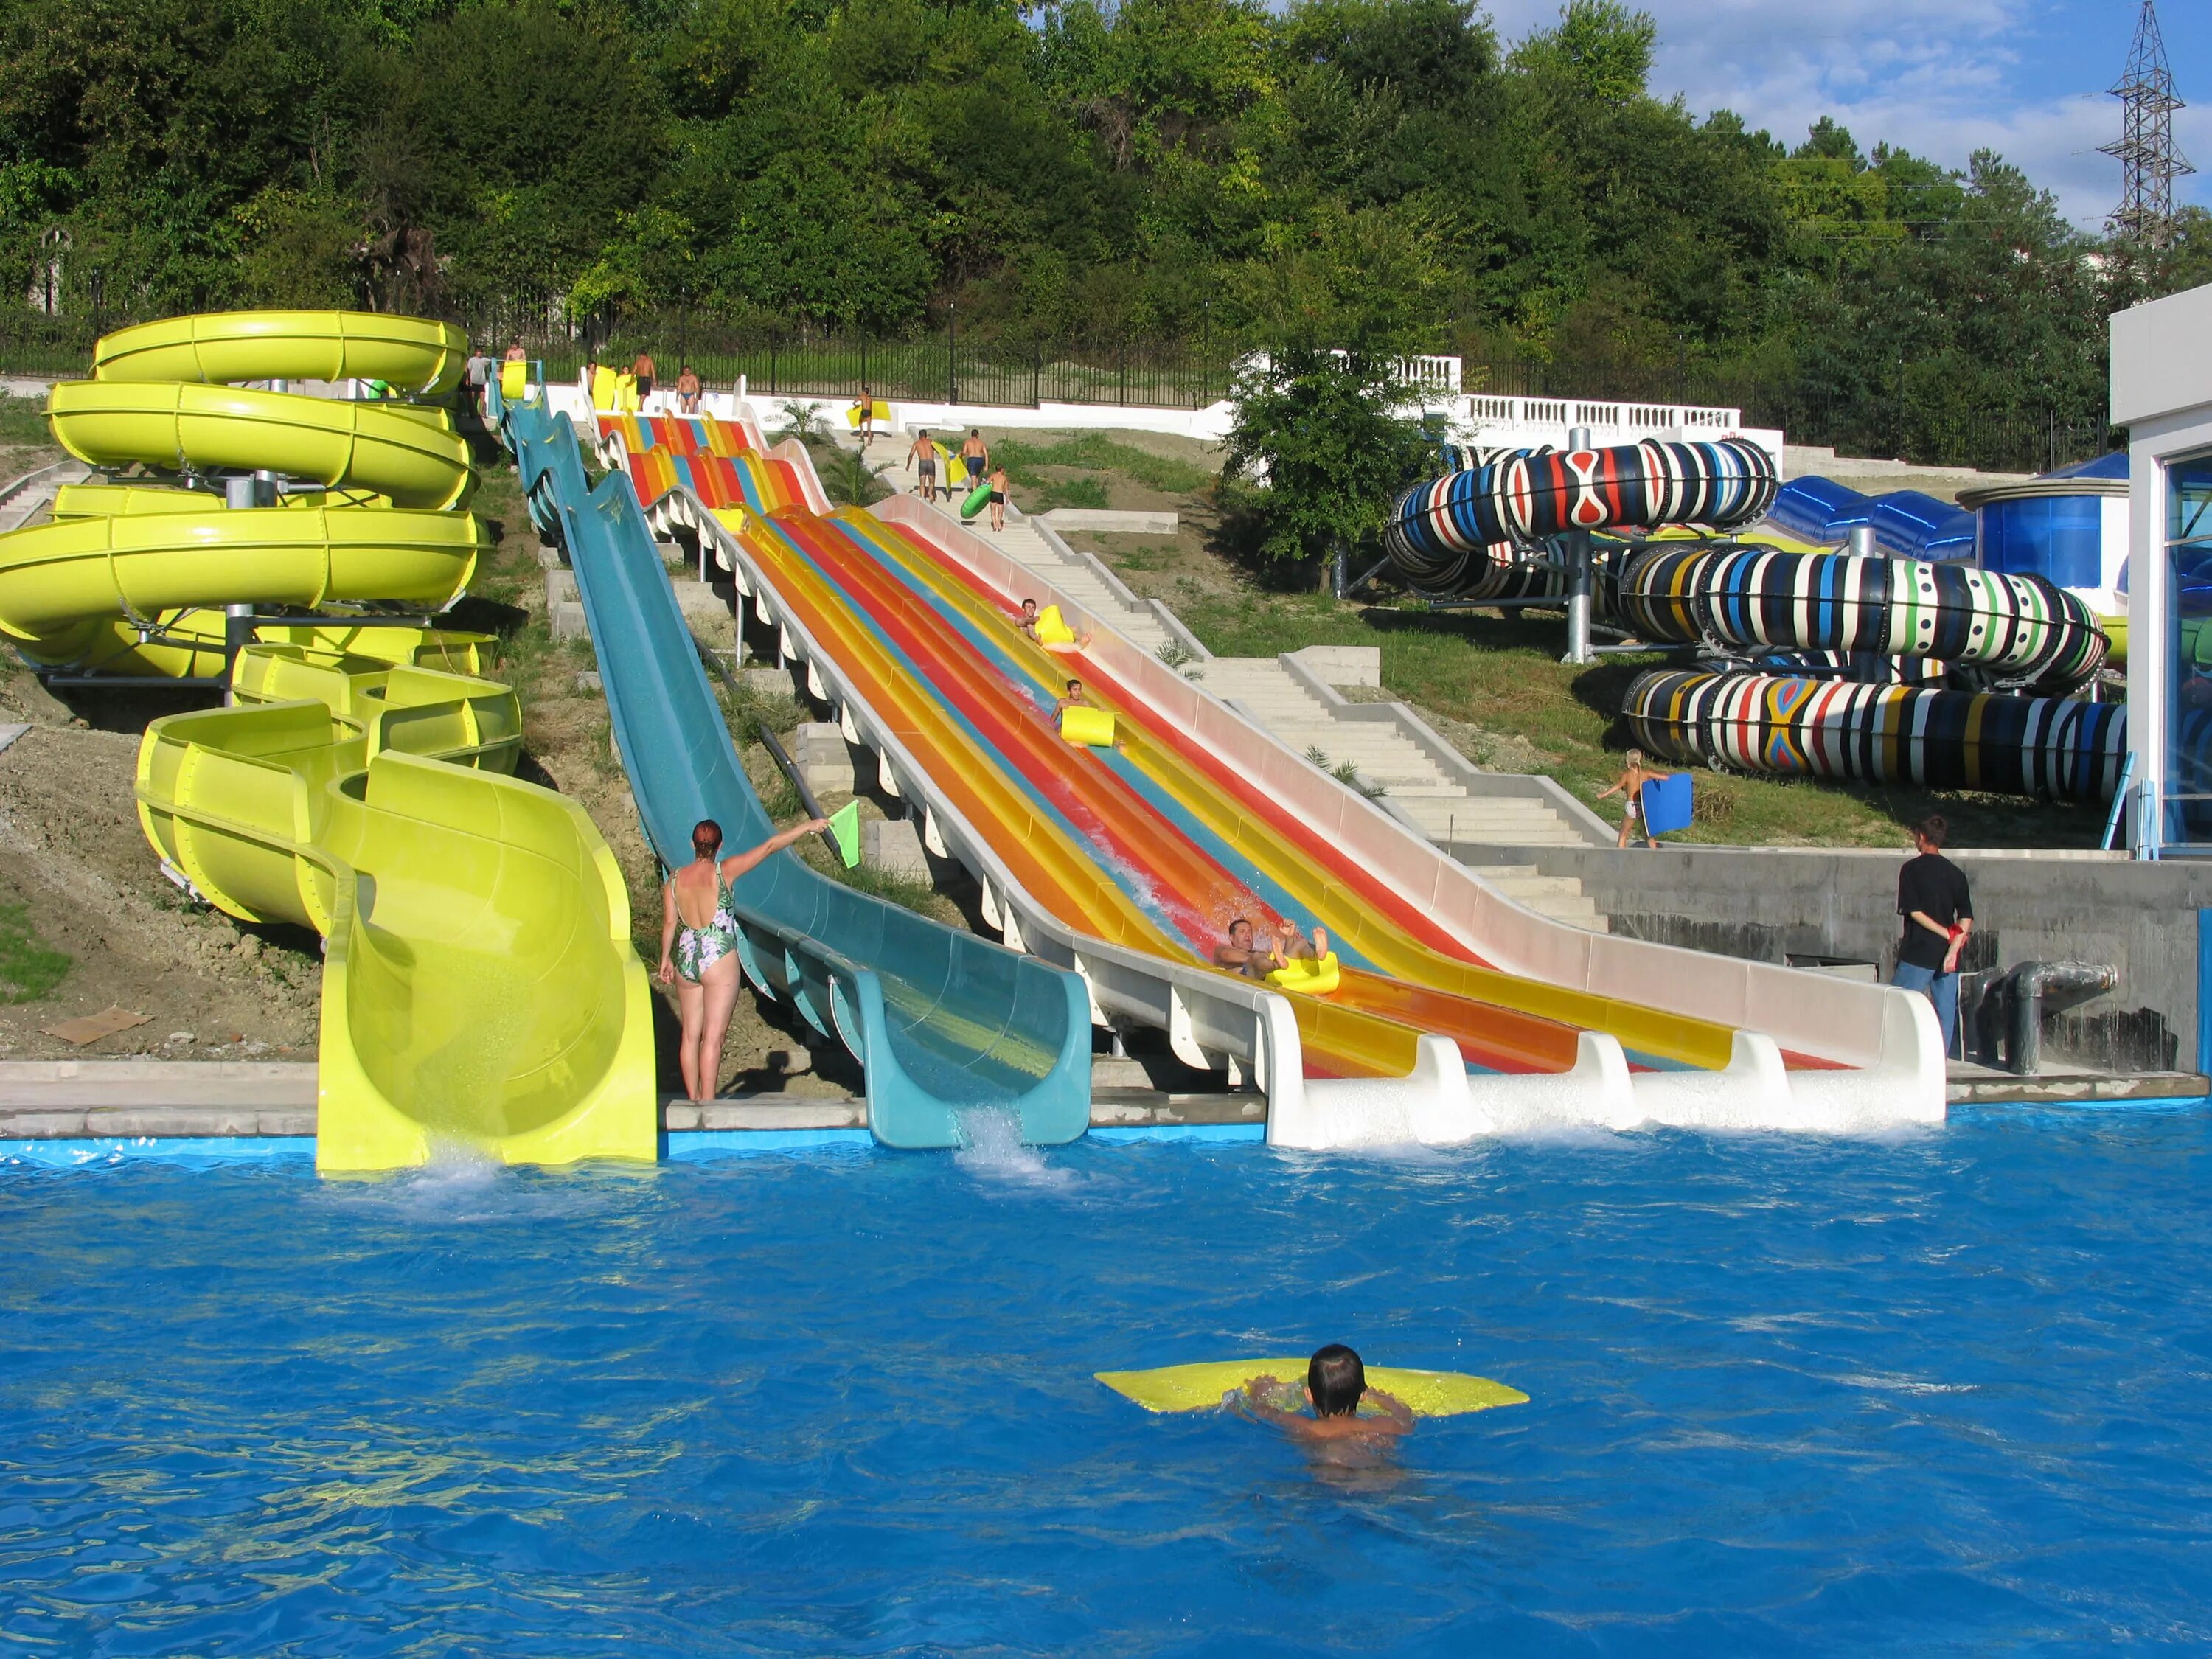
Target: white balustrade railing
1486	409
1432	374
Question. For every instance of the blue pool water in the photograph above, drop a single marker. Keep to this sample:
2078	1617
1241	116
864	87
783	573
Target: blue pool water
1946	1393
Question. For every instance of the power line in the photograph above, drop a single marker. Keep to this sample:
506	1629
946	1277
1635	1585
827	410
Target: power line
2149	162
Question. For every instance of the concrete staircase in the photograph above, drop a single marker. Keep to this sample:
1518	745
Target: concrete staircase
1021	540
1415	789
24	499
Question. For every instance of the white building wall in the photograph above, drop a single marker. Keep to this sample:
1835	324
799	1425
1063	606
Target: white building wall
2161	391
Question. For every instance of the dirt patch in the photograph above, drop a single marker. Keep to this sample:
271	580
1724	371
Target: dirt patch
74	856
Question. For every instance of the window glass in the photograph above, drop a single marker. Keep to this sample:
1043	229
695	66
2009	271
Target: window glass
2189	648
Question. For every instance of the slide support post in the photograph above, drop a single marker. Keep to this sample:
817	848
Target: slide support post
1575	545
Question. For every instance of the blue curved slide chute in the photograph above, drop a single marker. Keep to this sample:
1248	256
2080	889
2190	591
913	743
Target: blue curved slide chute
941	1020
1906	522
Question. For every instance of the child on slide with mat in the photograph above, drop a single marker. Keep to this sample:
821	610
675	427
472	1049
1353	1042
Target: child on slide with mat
1050	629
1336	1384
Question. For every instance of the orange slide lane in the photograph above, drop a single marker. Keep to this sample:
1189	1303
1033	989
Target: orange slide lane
1338	1041
1418	960
1199	894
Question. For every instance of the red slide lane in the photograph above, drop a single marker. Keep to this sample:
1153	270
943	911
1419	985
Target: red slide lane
1502	1039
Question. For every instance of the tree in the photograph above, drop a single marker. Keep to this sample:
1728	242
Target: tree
1600	52
1325	416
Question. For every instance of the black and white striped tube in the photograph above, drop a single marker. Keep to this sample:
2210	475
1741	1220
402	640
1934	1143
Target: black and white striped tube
2022	628
2058	747
1441	534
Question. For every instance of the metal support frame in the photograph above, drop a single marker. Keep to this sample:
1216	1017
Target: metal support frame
1575	548
1577	551
1373	571
806	798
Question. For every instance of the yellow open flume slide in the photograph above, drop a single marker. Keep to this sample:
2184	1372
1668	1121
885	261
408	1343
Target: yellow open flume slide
479	984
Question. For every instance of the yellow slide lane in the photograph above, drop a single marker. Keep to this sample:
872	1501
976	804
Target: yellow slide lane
1329	900
62	585
412	354
1340	1041
479	984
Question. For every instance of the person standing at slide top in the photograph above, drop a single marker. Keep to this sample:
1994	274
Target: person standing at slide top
473	376
1938	908
641	371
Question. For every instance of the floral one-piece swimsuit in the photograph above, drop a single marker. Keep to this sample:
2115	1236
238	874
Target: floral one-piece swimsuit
698	949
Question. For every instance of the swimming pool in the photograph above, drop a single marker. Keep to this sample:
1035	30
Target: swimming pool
1944	1393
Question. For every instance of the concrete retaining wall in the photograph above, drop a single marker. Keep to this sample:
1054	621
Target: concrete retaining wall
1781	904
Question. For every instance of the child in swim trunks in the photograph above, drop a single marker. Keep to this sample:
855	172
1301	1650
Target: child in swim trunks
1629	785
921	456
1336	1384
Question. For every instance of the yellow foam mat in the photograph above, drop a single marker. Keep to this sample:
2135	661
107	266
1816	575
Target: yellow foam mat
1199	1387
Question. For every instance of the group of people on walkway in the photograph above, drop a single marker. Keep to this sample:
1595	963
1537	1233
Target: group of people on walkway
644	375
973	464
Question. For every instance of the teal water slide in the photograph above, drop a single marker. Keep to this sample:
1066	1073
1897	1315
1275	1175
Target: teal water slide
941	1020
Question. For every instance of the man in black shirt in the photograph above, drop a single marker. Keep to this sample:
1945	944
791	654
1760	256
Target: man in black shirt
1939	914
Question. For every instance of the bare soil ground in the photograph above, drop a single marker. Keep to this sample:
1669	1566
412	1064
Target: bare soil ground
72	852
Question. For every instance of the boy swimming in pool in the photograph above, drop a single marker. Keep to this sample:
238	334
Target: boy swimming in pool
1336	1384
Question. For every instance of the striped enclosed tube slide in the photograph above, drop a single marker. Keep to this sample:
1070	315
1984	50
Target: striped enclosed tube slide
1443	534
2058	747
2023	629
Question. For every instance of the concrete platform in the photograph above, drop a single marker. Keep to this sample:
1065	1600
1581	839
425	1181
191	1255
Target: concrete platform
1978	1086
155	1099
165	1099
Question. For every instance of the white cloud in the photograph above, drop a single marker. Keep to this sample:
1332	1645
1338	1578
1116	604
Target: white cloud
1942	78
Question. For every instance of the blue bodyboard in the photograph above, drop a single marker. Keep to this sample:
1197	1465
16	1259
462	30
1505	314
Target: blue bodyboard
1667	803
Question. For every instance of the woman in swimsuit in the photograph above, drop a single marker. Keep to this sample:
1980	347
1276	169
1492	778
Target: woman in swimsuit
699	944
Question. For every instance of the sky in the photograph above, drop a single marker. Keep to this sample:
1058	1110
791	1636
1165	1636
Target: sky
1941	78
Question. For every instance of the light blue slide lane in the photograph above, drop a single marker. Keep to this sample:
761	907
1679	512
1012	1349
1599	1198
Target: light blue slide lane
941	1020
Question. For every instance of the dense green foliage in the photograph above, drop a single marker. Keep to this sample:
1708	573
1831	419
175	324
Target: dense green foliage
1069	170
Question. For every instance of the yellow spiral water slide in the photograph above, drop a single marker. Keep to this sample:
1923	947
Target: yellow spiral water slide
479	984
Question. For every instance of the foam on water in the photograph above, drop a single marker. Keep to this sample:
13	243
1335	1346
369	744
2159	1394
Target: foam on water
992	1150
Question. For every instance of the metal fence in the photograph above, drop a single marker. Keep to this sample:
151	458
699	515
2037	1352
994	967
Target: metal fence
37	346
951	365
1885	428
947	365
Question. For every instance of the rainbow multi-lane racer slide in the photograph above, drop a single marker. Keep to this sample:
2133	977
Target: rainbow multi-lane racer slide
479	984
1458	1011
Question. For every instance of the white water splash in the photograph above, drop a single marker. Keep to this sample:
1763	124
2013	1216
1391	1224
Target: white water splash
992	1149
